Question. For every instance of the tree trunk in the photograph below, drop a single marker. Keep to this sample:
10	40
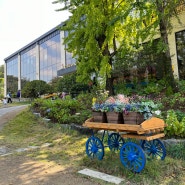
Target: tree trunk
109	86
168	72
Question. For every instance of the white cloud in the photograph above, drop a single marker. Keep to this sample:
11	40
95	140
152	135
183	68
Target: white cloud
22	21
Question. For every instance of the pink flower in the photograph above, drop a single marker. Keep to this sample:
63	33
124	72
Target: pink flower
111	100
122	99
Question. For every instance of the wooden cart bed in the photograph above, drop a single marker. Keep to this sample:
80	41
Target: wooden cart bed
154	127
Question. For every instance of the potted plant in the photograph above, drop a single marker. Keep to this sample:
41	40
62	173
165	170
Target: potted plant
136	113
132	114
114	113
98	113
114	108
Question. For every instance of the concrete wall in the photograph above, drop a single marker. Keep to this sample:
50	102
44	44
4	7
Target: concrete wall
177	26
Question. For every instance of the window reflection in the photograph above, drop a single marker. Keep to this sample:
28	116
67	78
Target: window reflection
69	57
180	44
50	57
28	65
12	75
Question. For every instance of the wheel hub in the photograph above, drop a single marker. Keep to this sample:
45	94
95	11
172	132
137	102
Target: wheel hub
94	149
153	149
131	157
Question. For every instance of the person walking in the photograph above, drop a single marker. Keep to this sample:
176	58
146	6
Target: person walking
19	94
9	97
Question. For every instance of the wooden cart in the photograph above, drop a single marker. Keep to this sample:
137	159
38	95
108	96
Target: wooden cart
132	155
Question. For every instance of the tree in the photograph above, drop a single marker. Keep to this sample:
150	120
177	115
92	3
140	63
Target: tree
98	30
92	39
35	89
68	84
154	17
1	80
2	71
165	10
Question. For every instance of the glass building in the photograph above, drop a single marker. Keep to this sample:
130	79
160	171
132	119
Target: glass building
44	58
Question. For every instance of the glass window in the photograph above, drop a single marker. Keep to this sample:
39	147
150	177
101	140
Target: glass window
180	45
69	59
28	66
12	75
50	58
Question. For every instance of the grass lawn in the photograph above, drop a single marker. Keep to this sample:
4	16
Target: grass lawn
68	149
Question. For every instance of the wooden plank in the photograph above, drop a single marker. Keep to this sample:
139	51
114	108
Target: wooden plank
153	123
148	126
113	126
142	137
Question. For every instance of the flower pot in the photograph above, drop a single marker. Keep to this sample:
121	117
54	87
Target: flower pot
114	117
134	118
99	117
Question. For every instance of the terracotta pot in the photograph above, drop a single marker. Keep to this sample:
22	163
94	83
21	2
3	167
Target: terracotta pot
99	117
114	117
134	118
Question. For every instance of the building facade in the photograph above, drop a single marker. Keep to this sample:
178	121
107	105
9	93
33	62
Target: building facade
39	60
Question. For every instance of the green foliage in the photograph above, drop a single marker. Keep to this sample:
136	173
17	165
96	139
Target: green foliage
54	84
180	115
177	151
85	99
175	101
174	127
120	88
181	86
63	111
94	39
2	71
1	87
36	88
169	91
69	84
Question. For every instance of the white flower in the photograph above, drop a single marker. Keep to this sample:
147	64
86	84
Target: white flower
157	112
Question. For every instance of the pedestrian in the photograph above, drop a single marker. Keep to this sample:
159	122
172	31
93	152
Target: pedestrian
63	95
9	97
4	101
19	94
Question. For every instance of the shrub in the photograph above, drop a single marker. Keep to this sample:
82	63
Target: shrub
63	111
174	127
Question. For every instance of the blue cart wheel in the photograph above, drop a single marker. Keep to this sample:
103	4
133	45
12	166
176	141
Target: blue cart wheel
94	148
154	148
115	141
132	157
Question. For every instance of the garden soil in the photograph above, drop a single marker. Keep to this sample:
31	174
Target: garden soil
24	170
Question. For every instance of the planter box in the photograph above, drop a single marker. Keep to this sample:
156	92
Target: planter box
99	117
134	118
114	117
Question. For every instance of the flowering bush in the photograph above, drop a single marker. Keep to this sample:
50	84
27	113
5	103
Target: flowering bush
111	104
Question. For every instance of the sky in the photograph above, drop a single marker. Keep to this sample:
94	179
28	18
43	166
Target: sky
22	21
